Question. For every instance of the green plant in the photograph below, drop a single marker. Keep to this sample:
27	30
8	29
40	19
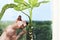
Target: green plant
22	5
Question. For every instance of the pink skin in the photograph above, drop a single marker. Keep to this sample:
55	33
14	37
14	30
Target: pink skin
10	32
21	24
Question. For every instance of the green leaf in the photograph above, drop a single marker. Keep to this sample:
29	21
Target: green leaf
21	7
16	8
44	2
38	4
33	2
19	1
26	4
1	15
5	7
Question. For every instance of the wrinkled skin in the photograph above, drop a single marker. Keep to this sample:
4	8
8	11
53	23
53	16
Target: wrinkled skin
10	32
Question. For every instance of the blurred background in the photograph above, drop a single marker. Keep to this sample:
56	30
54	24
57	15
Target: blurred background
42	20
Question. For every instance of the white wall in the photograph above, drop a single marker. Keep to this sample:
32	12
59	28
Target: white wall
56	19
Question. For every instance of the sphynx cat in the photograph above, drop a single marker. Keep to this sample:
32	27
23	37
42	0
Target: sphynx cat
10	32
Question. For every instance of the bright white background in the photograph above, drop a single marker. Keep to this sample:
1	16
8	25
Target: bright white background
56	19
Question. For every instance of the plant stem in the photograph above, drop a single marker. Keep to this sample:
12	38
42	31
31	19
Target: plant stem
30	27
31	16
27	16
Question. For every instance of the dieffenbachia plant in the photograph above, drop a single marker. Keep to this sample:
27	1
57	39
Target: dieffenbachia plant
21	5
